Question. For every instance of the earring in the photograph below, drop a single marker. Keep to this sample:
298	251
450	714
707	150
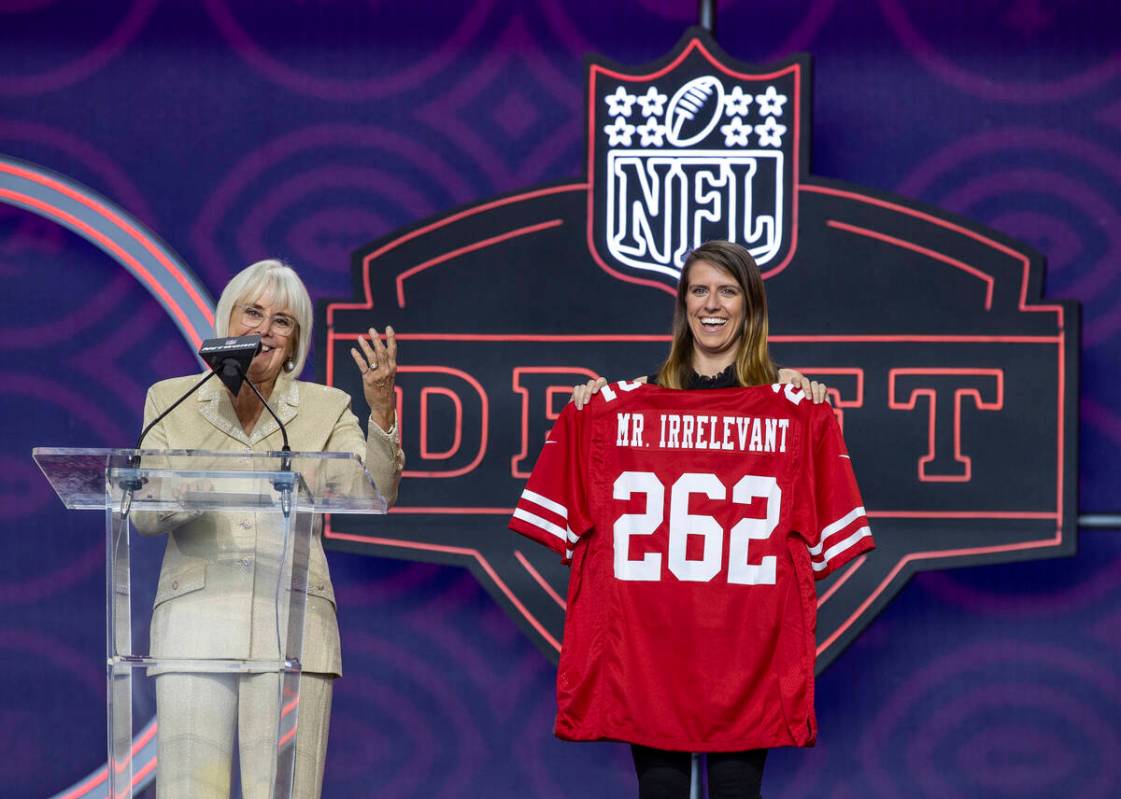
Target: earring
289	365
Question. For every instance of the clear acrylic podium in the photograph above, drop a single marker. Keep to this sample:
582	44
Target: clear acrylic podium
205	591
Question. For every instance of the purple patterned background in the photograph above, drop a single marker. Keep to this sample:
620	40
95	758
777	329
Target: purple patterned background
304	129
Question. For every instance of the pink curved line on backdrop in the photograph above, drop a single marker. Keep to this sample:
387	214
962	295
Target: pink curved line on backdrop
98	777
1004	140
90	559
342	89
1099	211
66	658
802	36
516	49
107	213
84	66
121	188
251	235
115	182
23	491
92	310
973	271
94	235
930	771
955	667
219	205
983	86
33	384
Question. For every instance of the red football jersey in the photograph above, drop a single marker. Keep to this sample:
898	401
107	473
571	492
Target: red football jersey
695	523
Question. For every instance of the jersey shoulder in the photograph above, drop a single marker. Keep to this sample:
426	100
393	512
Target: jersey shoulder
617	394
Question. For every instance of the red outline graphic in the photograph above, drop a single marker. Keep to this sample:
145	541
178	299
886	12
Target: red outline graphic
931	395
106	213
474	554
838	402
484	421
458	404
986	278
1059	341
424	230
951	226
479	245
541	581
524	392
917	556
102	774
1025	265
842	578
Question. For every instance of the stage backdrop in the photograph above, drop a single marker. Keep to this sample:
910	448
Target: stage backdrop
367	144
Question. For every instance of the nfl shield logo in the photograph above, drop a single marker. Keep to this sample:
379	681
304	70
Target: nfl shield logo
698	147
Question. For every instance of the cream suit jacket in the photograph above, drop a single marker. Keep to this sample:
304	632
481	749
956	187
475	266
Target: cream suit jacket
206	603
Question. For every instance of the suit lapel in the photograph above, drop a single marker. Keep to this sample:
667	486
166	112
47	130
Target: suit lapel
217	408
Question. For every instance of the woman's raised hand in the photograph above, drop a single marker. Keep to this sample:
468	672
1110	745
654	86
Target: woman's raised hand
377	364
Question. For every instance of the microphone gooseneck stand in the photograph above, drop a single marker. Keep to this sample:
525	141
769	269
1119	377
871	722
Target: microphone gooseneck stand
131	484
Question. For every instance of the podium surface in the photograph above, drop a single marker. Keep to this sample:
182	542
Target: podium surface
217	548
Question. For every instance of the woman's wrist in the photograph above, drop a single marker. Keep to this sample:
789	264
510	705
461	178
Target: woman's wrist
383	418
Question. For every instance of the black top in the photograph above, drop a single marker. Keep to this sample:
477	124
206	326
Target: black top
725	379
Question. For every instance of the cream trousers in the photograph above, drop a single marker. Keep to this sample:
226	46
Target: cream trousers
200	715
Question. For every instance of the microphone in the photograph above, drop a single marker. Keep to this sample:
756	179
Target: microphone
230	358
224	356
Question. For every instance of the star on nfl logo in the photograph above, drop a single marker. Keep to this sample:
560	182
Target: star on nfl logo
697	148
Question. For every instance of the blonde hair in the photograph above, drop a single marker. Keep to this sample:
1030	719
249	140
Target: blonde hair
287	290
753	363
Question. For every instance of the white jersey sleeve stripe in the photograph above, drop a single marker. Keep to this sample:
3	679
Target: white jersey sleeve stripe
541	524
546	503
840	547
841	523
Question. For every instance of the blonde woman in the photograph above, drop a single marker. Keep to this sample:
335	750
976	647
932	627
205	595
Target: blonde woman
204	604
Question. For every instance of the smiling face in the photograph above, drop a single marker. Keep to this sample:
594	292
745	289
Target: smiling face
714	309
277	328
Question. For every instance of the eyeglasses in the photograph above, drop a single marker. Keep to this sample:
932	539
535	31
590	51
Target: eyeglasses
253	318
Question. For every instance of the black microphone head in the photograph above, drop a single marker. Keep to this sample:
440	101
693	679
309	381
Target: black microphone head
230	358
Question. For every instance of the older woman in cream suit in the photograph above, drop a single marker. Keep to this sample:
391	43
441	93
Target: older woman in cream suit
204	603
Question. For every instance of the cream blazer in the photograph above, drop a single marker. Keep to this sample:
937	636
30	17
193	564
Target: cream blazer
209	601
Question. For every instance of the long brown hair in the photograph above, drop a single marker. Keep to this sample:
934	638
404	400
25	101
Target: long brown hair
754	366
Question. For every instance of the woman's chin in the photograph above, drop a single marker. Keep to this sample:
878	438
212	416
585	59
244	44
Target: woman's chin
712	348
262	372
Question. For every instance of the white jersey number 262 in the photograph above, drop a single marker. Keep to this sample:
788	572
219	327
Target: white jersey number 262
683	524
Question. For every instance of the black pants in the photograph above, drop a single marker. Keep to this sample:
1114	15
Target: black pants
665	775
